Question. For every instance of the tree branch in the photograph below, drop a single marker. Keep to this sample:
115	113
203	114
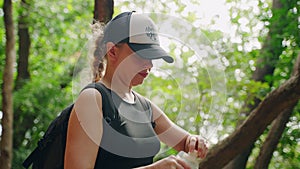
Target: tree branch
274	135
275	103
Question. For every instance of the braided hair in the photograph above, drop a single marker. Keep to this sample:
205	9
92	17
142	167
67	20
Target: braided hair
99	54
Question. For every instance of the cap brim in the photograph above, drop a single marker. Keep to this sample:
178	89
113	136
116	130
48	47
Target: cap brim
151	51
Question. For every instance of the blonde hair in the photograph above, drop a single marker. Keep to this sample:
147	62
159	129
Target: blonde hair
99	54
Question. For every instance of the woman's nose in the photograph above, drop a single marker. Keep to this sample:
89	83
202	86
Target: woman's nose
148	64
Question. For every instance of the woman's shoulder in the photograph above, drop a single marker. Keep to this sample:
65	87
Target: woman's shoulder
89	92
89	98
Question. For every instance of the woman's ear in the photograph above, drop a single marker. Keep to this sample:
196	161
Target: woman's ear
111	50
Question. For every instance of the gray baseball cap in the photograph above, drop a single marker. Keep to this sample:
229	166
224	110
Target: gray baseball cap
139	32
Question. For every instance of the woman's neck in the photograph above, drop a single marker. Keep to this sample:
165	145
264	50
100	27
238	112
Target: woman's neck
119	87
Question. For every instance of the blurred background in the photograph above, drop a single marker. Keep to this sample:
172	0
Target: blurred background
228	56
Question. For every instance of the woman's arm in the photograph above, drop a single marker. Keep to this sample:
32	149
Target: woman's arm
84	131
167	131
176	137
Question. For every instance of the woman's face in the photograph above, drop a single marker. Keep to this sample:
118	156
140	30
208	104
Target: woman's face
132	68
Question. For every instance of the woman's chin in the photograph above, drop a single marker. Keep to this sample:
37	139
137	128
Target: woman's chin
137	82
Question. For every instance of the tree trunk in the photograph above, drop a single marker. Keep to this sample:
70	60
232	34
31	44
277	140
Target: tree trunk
24	45
274	135
276	102
7	98
23	74
270	53
103	10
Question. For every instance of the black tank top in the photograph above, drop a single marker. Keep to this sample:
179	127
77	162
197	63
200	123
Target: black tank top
128	138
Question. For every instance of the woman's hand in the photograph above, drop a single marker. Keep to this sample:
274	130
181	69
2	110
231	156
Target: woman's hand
195	144
171	162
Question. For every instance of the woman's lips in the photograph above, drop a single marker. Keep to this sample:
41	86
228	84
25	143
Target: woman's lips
143	74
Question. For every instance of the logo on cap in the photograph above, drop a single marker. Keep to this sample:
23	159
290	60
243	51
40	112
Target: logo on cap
150	32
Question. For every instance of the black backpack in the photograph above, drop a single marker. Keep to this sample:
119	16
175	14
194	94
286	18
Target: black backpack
49	153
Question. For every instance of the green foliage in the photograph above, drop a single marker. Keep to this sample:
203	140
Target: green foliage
36	105
189	91
285	46
59	33
289	146
238	53
2	44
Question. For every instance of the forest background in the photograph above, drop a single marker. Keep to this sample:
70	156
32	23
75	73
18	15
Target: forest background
224	67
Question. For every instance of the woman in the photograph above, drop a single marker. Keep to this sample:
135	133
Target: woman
123	59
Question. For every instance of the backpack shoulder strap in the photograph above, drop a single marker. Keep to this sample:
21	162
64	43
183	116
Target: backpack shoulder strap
110	111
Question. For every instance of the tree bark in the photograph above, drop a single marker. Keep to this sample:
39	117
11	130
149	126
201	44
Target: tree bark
103	10
274	135
7	98
23	74
276	102
24	45
270	52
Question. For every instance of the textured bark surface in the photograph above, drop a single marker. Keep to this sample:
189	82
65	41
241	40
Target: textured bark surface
24	45
7	98
103	10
